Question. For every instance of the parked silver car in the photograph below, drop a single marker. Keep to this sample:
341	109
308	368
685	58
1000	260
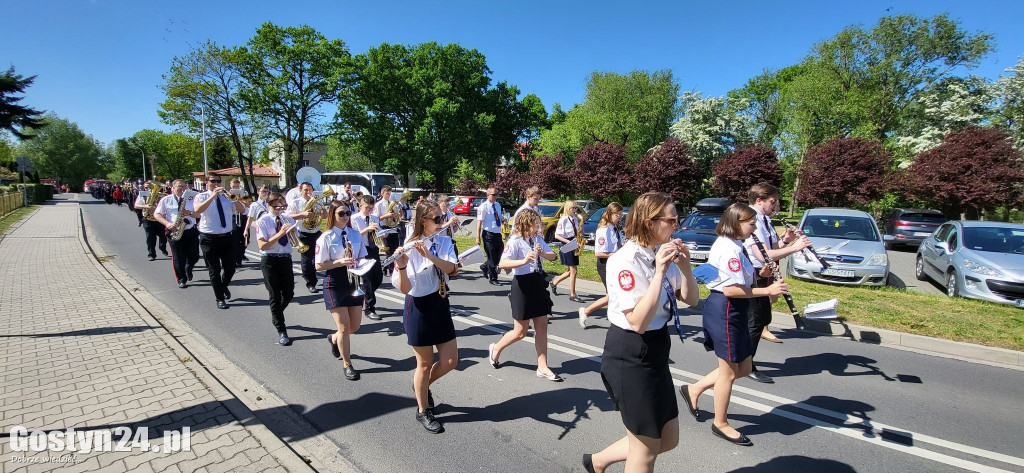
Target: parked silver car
849	242
979	260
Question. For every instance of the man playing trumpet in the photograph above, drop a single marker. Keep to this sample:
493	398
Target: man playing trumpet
217	211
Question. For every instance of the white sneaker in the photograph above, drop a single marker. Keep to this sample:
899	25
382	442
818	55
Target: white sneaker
490	356
583	318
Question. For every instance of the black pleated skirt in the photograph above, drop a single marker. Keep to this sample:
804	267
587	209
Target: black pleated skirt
530	296
338	290
568	259
634	368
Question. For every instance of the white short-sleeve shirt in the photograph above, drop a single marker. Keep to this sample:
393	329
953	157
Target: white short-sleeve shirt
516	248
421	271
566	227
607	239
359	222
140	200
526	206
332	244
210	221
257	209
266	228
629	275
766	233
298	205
734	266
168	207
490	214
381	208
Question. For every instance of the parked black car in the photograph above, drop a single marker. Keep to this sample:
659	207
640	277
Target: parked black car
697	230
909	227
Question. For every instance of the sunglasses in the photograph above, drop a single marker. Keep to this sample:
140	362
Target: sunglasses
343	213
214	180
280	207
437	220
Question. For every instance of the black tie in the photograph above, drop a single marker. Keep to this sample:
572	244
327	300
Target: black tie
768	230
282	241
497	209
220	211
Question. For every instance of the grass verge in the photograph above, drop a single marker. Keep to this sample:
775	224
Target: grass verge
7	220
964	320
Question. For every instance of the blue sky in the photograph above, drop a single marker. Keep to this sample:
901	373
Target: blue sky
99	63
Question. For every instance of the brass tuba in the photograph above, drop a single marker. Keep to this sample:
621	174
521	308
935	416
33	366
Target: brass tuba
390	222
154	197
316	205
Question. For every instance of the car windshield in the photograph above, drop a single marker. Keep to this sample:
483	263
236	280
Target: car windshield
994	239
844	228
701	223
549	210
596	217
923	217
381	180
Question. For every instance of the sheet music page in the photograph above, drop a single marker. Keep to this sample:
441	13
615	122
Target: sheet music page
571	246
363	267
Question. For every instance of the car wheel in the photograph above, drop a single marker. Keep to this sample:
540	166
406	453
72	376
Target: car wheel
550	235
952	289
888	245
919	269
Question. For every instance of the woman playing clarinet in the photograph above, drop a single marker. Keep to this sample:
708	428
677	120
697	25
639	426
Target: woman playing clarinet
725	317
421	272
530	301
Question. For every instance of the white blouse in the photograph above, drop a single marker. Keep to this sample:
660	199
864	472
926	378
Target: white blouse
607	239
567	227
516	248
266	228
331	245
421	271
734	267
630	271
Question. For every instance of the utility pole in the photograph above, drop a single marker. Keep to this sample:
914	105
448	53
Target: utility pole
206	163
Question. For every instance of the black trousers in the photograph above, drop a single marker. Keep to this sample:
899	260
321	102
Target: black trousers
238	238
218	256
308	270
371	281
493	246
759	315
155	231
280	282
184	253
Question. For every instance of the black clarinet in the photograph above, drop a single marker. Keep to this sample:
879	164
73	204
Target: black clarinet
778	277
824	264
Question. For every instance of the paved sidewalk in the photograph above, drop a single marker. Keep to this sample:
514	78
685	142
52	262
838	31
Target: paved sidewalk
77	354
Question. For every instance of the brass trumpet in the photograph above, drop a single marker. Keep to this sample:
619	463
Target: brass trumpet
293	238
246	199
353	279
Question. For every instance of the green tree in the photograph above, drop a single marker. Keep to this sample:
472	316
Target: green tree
208	80
290	75
633	111
429	107
1010	111
949	105
344	155
17	119
63	151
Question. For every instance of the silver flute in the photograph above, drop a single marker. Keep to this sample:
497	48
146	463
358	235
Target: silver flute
408	246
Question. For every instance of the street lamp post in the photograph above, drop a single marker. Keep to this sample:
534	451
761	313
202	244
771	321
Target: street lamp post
143	157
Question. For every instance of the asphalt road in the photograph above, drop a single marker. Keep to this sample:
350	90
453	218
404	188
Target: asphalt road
837	406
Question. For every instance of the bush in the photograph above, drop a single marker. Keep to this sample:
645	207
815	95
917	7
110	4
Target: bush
601	171
737	171
37	193
842	172
668	168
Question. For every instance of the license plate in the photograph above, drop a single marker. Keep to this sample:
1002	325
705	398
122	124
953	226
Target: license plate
922	233
699	255
842	273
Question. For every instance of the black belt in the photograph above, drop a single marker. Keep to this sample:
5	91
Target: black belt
276	255
225	234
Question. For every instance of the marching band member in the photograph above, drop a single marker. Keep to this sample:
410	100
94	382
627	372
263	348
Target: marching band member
391	240
648	275
530	299
308	236
405	219
276	260
154	230
256	210
215	236
451	222
185	251
420	273
725	317
569	226
367	224
488	229
607	241
238	226
340	294
346	193
764	199
532	199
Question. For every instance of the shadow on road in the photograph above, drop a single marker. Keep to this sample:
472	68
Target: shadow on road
790	463
834	363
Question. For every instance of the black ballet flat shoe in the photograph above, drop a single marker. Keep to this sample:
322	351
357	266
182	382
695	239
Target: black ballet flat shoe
761	377
334	346
684	391
742	440
575	299
588	463
554	289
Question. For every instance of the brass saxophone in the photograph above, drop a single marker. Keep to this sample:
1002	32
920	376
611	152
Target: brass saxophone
390	222
580	239
316	205
154	197
179	221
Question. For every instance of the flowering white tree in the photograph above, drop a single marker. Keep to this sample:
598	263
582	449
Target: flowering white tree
1011	102
951	105
711	126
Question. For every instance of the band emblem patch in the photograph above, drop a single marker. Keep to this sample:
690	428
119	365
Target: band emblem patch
734	265
600	241
626	280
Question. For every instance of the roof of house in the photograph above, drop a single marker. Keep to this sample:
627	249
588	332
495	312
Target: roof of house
258	170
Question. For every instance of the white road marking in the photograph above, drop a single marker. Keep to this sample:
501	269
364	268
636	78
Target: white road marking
852	426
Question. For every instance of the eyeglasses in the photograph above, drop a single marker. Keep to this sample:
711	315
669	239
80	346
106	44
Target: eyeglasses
437	220
674	221
343	213
214	180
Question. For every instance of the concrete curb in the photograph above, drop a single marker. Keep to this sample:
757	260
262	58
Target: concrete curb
257	408
963	351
